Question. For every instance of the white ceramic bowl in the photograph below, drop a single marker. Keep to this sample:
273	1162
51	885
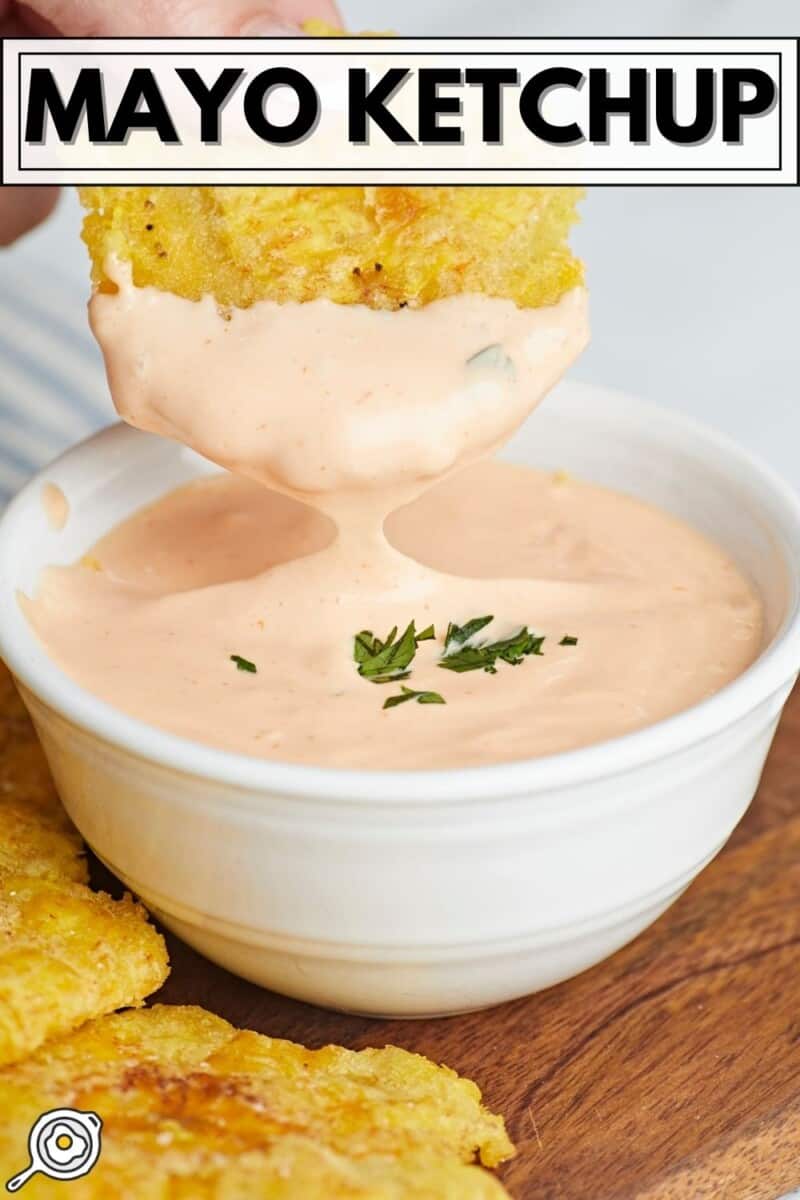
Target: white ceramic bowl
432	891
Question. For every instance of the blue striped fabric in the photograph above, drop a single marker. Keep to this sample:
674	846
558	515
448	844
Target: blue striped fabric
52	384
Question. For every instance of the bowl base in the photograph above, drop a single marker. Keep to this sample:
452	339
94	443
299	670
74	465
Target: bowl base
415	990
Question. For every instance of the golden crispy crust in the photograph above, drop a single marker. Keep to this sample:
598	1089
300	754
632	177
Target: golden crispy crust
385	247
194	1108
35	832
66	953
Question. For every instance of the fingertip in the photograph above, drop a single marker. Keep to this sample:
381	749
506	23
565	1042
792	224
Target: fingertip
22	209
287	18
268	25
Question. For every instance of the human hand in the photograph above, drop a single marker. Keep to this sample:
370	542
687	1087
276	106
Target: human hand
161	18
21	208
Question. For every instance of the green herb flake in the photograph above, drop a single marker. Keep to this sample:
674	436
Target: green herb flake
568	640
410	694
493	358
461	654
244	664
457	635
388	660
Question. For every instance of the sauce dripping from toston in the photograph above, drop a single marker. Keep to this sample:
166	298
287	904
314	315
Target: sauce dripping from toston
361	498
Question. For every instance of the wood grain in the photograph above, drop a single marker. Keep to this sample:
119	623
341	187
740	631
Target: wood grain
671	1072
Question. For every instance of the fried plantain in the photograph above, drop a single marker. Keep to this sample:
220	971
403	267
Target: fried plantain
385	247
192	1107
66	953
35	833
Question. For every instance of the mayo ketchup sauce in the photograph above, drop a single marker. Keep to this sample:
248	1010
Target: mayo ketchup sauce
254	610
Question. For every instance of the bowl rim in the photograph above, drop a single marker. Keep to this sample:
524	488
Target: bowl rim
774	668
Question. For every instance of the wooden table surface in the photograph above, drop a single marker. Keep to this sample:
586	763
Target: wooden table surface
670	1072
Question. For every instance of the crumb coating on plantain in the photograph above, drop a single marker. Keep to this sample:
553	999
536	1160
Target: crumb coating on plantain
385	247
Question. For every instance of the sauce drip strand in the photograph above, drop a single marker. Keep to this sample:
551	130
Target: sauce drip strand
361	496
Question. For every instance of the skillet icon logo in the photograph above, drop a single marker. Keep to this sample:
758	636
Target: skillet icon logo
63	1144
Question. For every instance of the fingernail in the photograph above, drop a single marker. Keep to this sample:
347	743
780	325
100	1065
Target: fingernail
266	25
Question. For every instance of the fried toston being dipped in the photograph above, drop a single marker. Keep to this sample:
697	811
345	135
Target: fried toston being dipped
385	247
194	1109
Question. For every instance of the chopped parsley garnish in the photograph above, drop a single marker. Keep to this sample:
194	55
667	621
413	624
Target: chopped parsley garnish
388	660
457	635
244	664
462	654
410	694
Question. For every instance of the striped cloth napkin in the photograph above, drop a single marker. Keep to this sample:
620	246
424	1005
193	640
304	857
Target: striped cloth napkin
52	383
